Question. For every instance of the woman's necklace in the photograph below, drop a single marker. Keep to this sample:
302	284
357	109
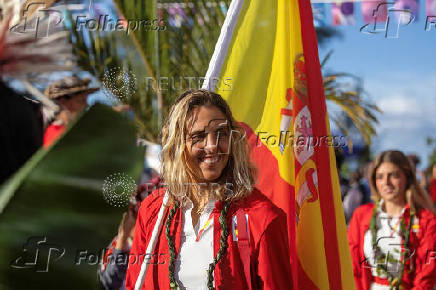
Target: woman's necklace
172	249
381	258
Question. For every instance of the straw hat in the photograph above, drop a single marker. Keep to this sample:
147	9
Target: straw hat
70	85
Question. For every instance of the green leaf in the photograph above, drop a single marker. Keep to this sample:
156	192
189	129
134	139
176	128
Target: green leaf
57	194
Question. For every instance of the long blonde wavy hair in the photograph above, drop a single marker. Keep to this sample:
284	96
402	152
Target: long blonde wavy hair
416	197
239	175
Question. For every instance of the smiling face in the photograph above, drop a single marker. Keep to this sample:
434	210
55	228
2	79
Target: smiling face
208	143
391	182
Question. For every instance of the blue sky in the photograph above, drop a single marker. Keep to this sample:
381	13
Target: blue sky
399	75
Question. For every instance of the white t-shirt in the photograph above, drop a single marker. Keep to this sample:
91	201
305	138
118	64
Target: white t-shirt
389	241
194	258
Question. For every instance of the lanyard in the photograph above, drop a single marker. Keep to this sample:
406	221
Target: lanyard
394	228
204	227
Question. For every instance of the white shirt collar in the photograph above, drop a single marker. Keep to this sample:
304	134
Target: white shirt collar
208	207
385	214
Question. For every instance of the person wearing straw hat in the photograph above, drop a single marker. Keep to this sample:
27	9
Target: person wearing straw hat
71	94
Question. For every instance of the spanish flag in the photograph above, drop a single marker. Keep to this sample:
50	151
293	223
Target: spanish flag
267	52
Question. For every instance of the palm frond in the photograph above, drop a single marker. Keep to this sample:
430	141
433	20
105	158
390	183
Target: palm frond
178	52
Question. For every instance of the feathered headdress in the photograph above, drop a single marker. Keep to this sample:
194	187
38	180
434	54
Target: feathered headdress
30	46
26	43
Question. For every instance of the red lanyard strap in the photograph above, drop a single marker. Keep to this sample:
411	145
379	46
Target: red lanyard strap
244	245
204	227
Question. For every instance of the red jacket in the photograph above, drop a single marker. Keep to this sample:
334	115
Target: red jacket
268	246
422	250
52	133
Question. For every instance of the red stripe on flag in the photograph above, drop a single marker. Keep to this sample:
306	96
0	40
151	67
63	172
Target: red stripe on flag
318	109
304	282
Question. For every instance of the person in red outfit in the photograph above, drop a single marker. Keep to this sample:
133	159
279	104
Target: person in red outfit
393	241
71	94
209	228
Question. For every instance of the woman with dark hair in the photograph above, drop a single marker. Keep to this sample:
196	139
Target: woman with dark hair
210	228
392	241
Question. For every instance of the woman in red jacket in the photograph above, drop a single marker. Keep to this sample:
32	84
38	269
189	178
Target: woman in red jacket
393	242
209	228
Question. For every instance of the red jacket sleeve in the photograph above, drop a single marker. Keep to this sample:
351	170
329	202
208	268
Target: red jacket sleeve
138	248
425	277
355	246
147	215
273	264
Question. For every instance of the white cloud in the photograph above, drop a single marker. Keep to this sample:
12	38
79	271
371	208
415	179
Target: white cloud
397	105
408	102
